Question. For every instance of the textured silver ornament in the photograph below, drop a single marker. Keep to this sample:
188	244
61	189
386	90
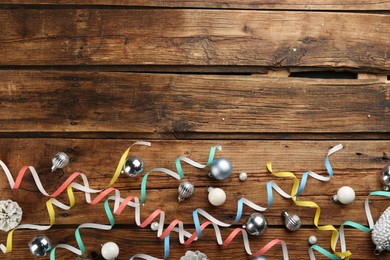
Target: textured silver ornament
262	257
133	166
186	189
220	169
256	224
40	245
381	233
292	222
197	255
385	178
10	215
60	160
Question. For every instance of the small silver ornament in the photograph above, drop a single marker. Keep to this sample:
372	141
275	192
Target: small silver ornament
256	224
380	234
243	176
262	257
220	169
40	245
133	166
292	222
60	160
385	178
186	189
197	255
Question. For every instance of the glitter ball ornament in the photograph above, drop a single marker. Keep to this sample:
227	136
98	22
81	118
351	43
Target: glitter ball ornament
40	245
197	255
381	233
345	195
385	178
10	215
133	166
292	222
221	169
216	196
110	251
60	160
186	189
256	224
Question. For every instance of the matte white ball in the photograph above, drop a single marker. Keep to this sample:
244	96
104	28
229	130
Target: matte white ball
243	176
217	196
110	251
154	226
312	240
345	195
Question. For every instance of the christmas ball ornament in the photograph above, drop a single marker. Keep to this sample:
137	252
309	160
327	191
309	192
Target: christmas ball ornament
133	166
256	224
243	176
110	251
262	257
40	245
186	189
292	222
10	215
220	169
154	226
197	255
385	178
312	240
380	234
60	160
345	195
216	196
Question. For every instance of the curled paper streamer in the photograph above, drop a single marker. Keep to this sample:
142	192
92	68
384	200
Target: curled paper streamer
67	185
180	174
178	225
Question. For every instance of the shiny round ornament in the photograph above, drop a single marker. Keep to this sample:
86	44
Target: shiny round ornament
216	196
133	166
256	224
262	257
40	245
243	176
110	251
345	195
154	226
312	240
186	189
385	178
292	222
60	160
221	169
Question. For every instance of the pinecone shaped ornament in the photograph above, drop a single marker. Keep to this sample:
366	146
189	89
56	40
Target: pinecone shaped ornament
381	233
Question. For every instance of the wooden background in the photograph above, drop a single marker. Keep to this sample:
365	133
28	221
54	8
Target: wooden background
279	81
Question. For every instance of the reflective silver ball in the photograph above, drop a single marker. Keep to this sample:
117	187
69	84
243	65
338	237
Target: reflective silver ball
40	245
220	169
186	189
262	257
60	160
385	178
133	166
256	224
292	222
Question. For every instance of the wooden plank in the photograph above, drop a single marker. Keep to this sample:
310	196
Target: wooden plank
137	240
194	37
227	4
359	160
174	106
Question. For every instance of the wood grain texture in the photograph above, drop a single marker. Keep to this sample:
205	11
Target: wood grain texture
194	37
178	105
226	4
359	160
132	240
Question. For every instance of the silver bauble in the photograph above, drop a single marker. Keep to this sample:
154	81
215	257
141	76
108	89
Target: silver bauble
220	169
385	178
40	245
186	189
262	257
381	233
256	224
292	222
60	160
133	166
